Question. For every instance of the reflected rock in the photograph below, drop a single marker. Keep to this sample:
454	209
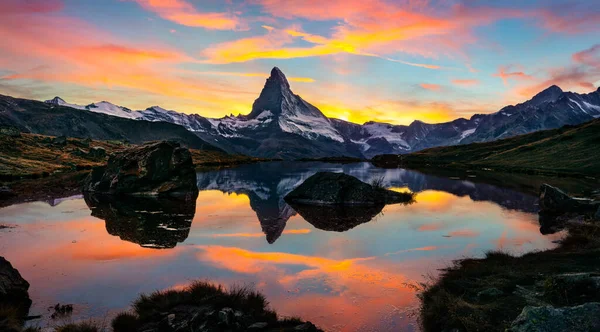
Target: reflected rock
337	218
149	222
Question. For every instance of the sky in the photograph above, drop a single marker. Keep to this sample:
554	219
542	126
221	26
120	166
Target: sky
357	60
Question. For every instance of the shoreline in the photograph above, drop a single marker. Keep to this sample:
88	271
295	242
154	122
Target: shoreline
491	293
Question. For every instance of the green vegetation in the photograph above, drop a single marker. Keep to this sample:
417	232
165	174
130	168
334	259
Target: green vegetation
570	150
488	294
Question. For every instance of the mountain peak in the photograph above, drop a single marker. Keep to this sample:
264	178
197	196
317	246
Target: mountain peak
550	94
56	101
278	77
553	88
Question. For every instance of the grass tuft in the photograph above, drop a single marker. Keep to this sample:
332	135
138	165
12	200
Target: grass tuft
125	322
79	327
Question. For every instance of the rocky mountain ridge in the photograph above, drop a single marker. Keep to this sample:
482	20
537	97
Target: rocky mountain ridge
282	124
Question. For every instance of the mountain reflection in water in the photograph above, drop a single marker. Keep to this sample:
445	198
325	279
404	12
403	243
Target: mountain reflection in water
266	185
356	280
150	222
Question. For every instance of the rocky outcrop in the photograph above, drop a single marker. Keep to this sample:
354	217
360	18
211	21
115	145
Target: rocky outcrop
13	289
185	318
327	188
97	152
154	169
582	318
147	221
555	201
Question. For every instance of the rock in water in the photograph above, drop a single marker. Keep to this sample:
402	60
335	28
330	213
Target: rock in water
13	289
581	318
327	188
555	202
154	169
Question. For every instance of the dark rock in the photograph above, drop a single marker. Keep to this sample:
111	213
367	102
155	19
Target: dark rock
489	294
79	153
597	214
582	318
257	326
59	141
327	188
337	218
150	222
572	288
6	193
226	316
159	168
308	326
554	201
13	289
97	152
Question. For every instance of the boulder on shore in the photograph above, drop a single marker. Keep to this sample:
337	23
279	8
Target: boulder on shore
554	201
151	169
580	318
327	188
13	289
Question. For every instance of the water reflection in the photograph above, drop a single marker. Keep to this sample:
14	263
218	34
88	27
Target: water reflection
358	280
337	218
147	221
267	184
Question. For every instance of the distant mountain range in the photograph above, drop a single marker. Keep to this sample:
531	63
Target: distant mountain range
283	125
42	118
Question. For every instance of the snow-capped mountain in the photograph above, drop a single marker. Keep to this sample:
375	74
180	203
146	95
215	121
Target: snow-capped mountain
282	124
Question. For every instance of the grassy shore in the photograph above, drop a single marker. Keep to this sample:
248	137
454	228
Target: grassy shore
570	150
200	306
488	294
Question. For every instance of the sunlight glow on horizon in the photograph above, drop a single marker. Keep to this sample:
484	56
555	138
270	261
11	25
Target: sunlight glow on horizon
381	60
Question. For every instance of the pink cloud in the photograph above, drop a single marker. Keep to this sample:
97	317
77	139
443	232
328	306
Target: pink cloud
431	87
465	82
184	13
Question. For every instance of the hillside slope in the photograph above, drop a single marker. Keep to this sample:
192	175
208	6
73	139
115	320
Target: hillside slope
34	156
567	150
45	119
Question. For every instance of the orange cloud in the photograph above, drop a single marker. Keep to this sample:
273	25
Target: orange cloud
505	74
430	227
580	75
464	233
432	87
465	82
184	13
589	57
289	232
264	75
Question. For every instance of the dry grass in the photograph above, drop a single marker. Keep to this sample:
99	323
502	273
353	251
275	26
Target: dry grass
35	156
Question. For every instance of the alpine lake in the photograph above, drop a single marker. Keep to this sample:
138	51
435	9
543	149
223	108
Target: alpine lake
354	269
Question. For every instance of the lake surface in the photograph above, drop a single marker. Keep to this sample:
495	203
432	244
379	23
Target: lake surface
239	231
